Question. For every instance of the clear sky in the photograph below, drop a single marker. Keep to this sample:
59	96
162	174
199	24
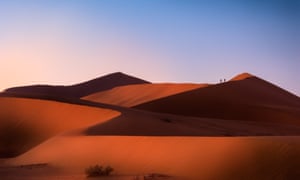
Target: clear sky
66	42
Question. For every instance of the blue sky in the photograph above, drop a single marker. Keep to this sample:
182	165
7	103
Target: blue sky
65	42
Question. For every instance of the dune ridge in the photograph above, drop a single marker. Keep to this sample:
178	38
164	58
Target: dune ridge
78	90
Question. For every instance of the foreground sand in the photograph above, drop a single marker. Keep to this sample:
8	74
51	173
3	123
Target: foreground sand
209	158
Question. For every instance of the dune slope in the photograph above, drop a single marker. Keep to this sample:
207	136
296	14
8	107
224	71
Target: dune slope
132	95
251	99
78	90
27	122
24	123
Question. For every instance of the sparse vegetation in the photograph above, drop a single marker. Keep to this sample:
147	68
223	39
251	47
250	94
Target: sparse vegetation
97	170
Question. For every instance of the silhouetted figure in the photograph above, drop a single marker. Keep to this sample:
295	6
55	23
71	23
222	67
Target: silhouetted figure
224	80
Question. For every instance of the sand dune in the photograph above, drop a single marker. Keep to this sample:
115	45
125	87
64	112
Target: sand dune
219	110
251	99
163	133
78	90
38	120
25	123
132	95
209	158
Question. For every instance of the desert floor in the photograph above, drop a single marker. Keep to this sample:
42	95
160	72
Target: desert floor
209	158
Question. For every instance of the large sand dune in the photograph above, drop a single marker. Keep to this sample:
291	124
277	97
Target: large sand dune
38	120
249	98
132	95
25	123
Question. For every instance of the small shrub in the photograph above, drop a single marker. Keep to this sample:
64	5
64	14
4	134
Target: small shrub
94	171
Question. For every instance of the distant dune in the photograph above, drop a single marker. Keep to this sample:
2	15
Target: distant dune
251	99
78	90
24	123
132	95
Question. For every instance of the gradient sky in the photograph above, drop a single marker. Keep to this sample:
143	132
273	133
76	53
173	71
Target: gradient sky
66	42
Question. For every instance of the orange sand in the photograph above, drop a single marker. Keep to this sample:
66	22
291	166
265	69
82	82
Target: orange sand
132	95
185	157
25	123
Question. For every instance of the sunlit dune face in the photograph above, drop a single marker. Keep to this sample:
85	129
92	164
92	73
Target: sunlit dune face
27	122
180	156
133	95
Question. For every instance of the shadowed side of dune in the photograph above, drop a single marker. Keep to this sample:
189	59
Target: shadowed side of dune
250	99
15	139
138	123
78	90
24	123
